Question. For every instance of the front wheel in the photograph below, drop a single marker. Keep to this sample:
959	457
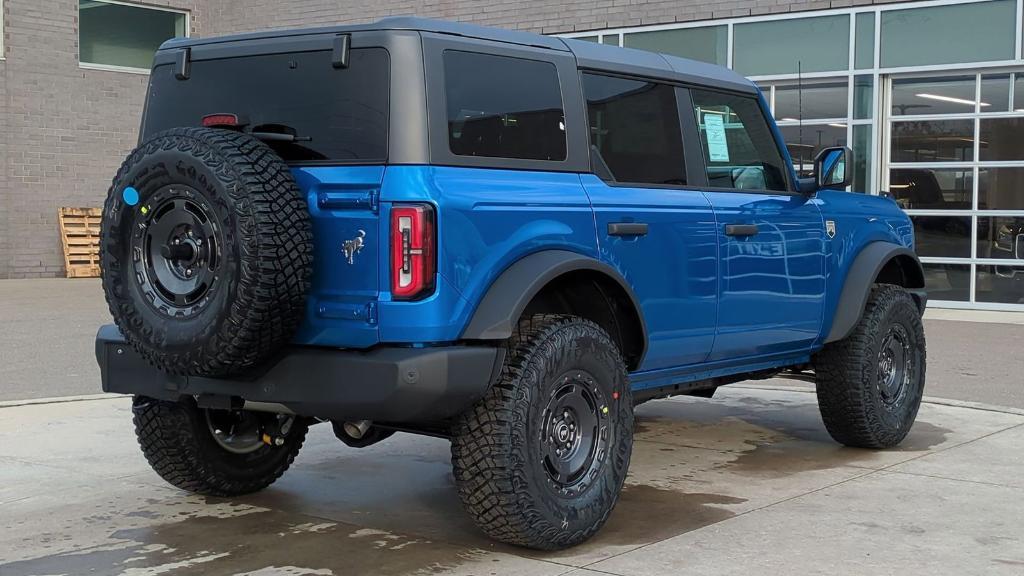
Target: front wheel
870	383
216	452
541	459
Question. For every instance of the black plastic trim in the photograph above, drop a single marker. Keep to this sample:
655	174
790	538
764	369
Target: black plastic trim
395	385
499	310
857	287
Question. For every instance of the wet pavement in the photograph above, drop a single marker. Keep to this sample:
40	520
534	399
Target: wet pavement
746	483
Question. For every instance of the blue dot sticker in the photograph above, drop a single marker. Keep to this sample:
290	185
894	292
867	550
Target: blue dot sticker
130	196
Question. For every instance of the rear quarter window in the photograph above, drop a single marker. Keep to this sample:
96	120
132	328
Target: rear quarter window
503	107
338	114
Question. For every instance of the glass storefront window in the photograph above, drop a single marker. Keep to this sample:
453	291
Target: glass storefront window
587	38
933	141
1000	139
122	35
1000	284
1001	237
1001	188
975	32
861	157
995	93
932	188
1018	92
863	95
948	281
816	44
819	100
707	43
945	95
805	142
943	236
864	41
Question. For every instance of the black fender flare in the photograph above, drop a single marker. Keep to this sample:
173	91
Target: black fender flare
857	285
500	308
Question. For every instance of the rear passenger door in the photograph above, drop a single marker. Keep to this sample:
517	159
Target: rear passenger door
651	226
771	238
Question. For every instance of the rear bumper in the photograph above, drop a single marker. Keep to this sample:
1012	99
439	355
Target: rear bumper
388	385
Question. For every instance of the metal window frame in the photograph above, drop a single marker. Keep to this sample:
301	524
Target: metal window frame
879	120
113	67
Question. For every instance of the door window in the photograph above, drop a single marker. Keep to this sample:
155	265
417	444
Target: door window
634	130
739	148
503	107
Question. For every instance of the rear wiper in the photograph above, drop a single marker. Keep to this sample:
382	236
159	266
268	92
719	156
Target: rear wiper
280	137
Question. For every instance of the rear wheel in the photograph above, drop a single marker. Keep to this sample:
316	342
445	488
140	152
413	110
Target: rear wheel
870	384
541	459
216	452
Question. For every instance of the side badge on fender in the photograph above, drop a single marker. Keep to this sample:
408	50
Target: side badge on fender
353	246
830	228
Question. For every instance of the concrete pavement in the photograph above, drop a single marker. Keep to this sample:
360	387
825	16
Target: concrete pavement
46	346
745	483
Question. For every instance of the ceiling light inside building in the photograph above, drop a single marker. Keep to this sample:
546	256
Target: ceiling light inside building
950	99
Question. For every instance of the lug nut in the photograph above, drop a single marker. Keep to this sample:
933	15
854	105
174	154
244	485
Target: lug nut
188	272
278	441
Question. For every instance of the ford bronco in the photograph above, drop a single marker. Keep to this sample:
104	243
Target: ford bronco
501	238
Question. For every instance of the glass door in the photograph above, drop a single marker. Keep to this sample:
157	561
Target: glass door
955	162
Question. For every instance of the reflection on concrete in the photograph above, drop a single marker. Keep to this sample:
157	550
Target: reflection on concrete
392	510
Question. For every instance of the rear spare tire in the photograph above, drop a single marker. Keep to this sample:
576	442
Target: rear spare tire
206	251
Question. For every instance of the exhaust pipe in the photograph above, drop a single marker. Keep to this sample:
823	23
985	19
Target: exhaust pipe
357	429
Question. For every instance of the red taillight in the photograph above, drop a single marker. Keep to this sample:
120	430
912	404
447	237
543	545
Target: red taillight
413	260
220	120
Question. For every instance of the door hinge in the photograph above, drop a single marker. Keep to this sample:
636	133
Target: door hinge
371	313
347	200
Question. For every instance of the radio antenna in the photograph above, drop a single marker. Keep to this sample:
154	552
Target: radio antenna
800	101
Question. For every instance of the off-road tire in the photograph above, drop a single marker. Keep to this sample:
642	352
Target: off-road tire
497	465
178	445
849	386
261	225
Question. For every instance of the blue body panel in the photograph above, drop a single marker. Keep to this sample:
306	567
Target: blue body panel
672	269
342	300
772	284
714	305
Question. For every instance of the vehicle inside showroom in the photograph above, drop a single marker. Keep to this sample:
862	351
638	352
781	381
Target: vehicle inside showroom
929	95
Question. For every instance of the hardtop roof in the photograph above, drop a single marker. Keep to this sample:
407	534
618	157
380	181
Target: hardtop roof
590	55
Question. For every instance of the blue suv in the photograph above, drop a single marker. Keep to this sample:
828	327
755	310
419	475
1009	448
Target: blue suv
496	237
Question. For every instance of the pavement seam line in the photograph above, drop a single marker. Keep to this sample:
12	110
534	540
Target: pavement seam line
964	480
868	472
60	400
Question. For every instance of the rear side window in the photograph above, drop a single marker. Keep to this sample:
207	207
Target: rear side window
739	148
634	130
337	114
503	107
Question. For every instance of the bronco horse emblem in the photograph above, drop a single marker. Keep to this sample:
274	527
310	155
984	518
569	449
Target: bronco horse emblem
830	228
353	246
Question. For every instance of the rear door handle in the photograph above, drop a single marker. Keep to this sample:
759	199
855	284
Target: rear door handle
740	229
627	228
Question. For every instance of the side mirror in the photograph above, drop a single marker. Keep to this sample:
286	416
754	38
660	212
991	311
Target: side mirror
832	168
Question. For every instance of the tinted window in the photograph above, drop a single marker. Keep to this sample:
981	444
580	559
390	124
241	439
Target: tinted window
634	129
503	107
739	147
338	114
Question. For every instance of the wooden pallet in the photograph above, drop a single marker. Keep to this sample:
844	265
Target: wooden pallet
80	235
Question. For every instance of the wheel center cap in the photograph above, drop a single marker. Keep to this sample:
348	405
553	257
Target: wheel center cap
562	432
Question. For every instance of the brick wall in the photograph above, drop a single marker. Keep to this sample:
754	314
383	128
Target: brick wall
543	16
63	129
